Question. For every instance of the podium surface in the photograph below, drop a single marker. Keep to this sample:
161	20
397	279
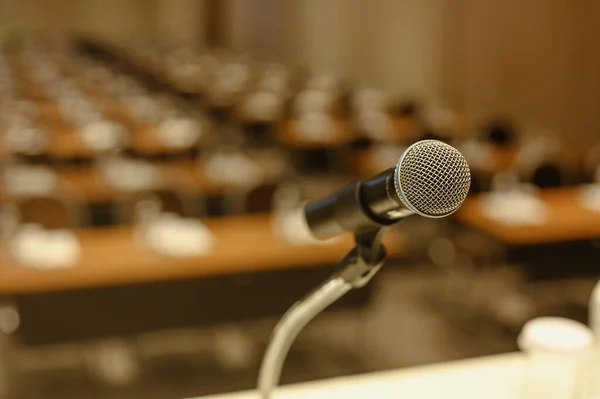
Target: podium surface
492	377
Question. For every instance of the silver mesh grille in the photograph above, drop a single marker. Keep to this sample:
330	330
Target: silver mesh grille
433	178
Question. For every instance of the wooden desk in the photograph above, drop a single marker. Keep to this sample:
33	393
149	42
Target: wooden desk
110	256
62	144
66	143
193	179
88	183
185	175
146	142
566	220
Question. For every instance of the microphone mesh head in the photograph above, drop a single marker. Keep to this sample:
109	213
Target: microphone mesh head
432	178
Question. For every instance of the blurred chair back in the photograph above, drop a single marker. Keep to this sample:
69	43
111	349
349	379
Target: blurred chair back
260	198
501	133
170	201
547	175
50	212
477	184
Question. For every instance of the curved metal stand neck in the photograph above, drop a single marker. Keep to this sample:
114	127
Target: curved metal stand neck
357	269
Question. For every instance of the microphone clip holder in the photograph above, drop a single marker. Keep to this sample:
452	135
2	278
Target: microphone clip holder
364	260
357	268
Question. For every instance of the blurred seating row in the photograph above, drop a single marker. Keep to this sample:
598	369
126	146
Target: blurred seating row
375	126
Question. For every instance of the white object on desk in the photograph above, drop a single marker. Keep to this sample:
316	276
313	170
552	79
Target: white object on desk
33	246
179	132
26	140
376	124
130	175
589	197
171	235
514	207
312	101
369	100
557	350
316	126
232	166
263	105
104	136
493	377
26	180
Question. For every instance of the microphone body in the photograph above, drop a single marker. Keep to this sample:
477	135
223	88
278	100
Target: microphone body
431	179
357	207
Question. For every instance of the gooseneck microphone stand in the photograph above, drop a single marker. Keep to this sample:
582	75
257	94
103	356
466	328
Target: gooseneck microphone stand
357	269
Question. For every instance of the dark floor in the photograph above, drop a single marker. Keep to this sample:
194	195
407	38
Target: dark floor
417	316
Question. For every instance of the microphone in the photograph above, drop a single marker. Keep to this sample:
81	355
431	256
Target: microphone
431	179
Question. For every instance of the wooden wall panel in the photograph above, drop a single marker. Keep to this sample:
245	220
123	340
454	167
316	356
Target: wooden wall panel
535	60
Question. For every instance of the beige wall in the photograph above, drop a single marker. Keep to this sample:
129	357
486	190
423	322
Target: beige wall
177	21
536	60
117	19
54	17
182	21
388	44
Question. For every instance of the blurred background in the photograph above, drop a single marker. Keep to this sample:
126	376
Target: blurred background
154	152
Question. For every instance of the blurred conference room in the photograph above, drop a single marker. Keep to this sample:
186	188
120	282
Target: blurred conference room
154	155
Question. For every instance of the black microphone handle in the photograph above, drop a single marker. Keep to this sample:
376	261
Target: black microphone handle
356	208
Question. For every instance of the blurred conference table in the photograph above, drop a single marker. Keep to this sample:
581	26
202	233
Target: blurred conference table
566	220
561	244
118	288
493	377
111	256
